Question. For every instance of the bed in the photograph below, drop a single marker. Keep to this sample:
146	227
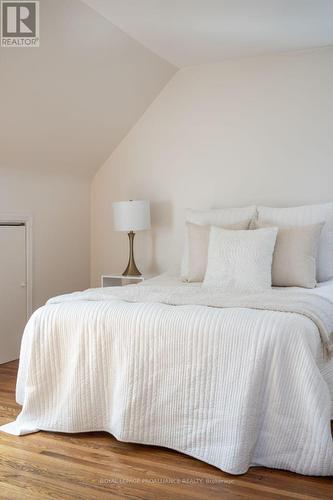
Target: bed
235	381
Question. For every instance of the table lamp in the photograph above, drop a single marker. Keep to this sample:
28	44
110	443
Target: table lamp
131	216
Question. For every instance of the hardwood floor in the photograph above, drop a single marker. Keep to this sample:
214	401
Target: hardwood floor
95	465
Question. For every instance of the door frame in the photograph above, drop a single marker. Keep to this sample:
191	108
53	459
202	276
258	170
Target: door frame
27	220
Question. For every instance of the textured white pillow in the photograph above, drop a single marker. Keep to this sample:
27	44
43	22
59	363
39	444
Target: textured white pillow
240	261
198	240
303	216
215	217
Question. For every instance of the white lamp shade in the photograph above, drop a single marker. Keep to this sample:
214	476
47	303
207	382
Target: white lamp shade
131	215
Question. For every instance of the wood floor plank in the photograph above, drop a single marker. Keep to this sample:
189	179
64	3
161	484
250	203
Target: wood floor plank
97	466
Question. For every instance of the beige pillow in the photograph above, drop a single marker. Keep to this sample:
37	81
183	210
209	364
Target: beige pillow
214	217
295	255
198	239
303	216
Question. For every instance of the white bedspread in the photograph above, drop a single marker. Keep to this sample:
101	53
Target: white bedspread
234	385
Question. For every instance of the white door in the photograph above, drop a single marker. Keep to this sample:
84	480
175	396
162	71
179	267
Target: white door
13	291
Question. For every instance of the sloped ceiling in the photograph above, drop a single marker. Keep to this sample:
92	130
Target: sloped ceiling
193	32
66	105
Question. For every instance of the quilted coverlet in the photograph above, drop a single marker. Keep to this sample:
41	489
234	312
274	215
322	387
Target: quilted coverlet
231	380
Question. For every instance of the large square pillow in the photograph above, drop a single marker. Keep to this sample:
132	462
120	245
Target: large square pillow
216	217
240	261
303	216
295	255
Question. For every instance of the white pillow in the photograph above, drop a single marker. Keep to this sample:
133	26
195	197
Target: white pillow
304	216
216	217
240	261
198	240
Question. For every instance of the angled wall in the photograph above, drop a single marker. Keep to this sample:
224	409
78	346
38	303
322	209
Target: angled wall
67	104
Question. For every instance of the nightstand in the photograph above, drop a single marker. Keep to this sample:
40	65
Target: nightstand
119	280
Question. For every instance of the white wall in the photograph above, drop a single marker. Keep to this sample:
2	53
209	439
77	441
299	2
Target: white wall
60	206
67	104
244	131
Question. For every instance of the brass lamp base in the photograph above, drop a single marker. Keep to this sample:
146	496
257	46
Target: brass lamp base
131	269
